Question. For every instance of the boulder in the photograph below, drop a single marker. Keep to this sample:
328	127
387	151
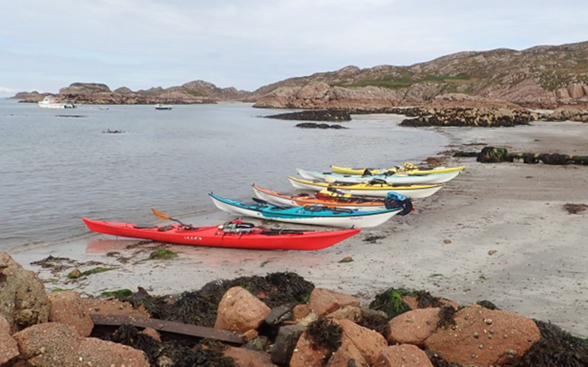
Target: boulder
240	311
55	344
484	337
305	354
249	358
324	301
412	327
368	342
405	355
8	345
67	307
347	355
23	300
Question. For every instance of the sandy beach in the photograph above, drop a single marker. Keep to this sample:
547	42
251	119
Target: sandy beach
497	232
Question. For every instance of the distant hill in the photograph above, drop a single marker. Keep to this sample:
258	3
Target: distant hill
190	93
543	76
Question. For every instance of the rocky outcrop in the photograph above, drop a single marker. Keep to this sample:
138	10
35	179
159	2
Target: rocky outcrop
544	76
196	92
333	330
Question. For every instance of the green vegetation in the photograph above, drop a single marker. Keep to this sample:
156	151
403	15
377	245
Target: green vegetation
119	295
77	273
162	254
264	263
391	302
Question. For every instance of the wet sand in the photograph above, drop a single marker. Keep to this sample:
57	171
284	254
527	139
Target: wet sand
497	232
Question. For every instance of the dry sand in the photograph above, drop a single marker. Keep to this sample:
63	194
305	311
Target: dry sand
497	232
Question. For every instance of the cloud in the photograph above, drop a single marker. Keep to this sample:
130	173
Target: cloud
145	43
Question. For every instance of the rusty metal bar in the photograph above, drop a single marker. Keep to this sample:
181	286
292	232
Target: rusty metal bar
168	326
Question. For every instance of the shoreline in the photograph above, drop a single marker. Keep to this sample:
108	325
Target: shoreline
497	232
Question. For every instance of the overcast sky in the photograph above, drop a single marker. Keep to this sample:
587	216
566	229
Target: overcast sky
140	44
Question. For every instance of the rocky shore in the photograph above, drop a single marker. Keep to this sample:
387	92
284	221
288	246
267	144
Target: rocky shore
276	320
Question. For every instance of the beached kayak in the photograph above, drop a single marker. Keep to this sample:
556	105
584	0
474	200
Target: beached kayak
335	199
377	188
233	235
312	214
409	168
392	178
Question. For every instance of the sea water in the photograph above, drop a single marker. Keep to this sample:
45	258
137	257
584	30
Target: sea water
57	166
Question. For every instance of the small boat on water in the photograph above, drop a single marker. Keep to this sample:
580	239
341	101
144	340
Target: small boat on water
235	234
375	188
334	199
163	107
401	178
51	101
409	168
311	214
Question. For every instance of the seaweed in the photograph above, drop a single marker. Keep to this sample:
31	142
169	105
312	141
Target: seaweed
427	300
391	302
555	348
446	317
324	333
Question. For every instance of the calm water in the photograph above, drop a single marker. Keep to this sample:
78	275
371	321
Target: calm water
56	169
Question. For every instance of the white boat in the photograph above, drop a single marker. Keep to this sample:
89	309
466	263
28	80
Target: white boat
401	178
314	215
377	189
51	101
163	107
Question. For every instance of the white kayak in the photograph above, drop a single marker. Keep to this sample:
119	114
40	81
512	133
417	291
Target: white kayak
398	178
379	189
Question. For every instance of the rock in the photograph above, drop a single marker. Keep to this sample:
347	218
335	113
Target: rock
484	337
23	301
368	342
324	301
67	307
286	341
347	355
54	344
405	355
249	358
240	311
412	327
8	345
305	355
351	313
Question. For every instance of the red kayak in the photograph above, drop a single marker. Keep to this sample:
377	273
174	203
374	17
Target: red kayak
234	234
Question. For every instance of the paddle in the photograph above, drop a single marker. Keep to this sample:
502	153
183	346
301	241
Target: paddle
162	216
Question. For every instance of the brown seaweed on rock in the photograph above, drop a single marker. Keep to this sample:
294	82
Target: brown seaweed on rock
556	348
199	307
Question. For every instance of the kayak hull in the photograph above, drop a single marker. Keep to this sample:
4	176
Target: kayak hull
212	236
320	216
365	189
276	198
375	171
401	178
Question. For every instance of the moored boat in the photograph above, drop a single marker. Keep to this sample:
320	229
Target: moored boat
51	101
163	107
311	214
409	168
335	199
375	188
230	235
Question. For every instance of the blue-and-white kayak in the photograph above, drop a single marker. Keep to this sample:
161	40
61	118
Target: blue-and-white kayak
311	214
393	178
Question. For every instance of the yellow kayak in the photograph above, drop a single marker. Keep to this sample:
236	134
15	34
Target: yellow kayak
408	168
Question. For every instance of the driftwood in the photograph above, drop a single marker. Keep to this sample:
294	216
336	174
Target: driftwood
168	326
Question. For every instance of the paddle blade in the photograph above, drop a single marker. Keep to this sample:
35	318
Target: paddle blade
160	215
